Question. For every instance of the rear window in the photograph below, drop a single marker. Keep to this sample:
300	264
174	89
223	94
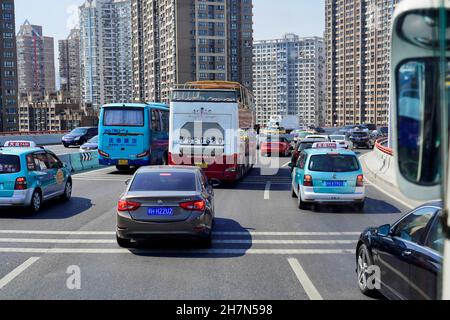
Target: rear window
161	181
304	146
9	164
124	117
333	163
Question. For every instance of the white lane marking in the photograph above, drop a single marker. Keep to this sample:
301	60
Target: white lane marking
16	272
285	165
169	252
108	169
106	241
306	283
267	191
218	233
390	195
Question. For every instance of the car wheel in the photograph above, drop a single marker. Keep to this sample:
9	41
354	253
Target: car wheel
67	191
364	262
301	204
123	243
206	242
36	202
360	206
66	145
294	195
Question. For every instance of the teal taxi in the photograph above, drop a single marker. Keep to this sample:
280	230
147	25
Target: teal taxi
30	175
330	175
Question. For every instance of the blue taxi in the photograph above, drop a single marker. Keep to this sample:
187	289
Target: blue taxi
30	175
330	175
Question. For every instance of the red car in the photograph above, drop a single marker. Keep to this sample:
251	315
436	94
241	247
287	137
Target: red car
276	146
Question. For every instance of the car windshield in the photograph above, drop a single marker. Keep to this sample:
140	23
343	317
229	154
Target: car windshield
9	164
362	134
333	163
79	131
164	181
305	146
94	140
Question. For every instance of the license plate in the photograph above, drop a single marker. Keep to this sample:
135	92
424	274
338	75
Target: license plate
160	212
123	162
334	183
202	165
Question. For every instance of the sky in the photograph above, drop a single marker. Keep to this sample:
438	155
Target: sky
272	18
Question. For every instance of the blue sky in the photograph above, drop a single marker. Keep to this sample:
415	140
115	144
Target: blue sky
273	18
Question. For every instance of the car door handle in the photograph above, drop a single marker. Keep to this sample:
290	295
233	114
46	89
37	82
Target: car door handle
406	253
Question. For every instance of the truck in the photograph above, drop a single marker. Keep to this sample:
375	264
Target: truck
286	123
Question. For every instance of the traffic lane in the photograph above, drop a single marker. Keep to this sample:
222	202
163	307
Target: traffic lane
91	201
158	278
60	149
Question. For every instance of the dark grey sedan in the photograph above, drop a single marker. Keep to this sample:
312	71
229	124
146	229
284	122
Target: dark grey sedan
162	202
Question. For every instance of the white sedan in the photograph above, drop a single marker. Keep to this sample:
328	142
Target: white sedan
342	141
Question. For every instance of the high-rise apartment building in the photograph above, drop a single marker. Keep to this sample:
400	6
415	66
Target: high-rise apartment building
8	69
106	52
35	60
358	54
289	79
176	41
69	65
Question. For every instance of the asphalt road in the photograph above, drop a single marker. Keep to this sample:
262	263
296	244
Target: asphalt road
264	247
59	149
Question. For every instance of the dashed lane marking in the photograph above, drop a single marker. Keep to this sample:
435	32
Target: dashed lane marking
304	280
267	191
17	271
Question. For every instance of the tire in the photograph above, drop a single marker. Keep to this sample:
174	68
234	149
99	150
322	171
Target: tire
66	146
165	160
67	191
206	242
360	206
123	243
36	202
364	260
294	195
301	205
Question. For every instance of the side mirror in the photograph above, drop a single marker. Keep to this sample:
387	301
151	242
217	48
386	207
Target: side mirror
384	231
127	183
214	183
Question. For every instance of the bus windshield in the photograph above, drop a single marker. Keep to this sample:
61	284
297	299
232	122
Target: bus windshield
128	117
204	96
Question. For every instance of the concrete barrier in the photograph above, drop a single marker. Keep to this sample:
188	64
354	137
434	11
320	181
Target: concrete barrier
78	162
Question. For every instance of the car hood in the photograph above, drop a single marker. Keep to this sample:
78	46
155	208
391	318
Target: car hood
72	135
90	145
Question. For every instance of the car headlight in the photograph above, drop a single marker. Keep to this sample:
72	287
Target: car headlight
77	138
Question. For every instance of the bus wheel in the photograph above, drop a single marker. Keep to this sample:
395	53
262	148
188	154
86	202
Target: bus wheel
165	160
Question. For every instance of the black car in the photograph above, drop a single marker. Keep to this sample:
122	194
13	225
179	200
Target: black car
320	130
362	138
79	136
384	131
303	145
407	256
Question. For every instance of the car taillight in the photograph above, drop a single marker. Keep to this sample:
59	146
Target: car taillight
125	205
21	184
193	205
308	181
360	181
103	154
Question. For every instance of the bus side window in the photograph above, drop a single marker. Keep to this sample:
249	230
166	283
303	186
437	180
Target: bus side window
156	121
165	121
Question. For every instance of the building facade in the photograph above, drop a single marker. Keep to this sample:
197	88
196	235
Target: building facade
8	69
35	60
53	112
106	52
358	53
289	79
177	41
69	64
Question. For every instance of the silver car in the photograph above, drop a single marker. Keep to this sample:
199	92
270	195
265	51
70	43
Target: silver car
164	201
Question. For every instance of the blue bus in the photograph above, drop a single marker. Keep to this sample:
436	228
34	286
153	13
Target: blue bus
133	135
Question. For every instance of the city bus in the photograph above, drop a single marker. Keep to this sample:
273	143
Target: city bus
212	126
420	114
133	135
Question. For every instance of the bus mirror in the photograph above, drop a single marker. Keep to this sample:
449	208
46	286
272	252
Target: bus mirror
417	122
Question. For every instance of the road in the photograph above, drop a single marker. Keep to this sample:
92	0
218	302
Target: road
59	149
264	247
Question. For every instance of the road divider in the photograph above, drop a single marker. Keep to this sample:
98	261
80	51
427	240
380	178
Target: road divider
78	162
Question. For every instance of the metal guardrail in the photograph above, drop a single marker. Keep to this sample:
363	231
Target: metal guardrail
380	145
31	133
